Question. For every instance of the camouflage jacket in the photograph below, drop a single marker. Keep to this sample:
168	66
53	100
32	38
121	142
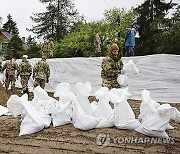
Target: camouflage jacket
111	68
41	70
24	69
10	67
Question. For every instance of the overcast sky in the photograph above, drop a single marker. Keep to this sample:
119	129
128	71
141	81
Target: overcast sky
21	10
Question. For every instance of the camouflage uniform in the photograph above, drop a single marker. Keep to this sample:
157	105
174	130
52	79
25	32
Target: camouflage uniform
25	71
47	48
97	43
11	66
111	68
44	49
41	73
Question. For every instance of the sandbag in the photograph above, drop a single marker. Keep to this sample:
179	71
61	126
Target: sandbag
81	120
82	93
104	110
153	116
124	115
34	120
14	104
130	67
123	80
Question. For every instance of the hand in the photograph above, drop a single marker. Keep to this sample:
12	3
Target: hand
47	80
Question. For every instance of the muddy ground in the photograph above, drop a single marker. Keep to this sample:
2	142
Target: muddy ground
68	139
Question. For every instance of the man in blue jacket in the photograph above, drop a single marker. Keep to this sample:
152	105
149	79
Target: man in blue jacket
130	42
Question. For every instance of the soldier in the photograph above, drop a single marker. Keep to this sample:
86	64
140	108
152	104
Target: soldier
50	47
11	67
47	48
44	49
111	68
25	71
41	73
97	43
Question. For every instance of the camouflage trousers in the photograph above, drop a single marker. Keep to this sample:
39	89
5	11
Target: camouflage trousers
10	79
39	82
97	49
24	82
110	84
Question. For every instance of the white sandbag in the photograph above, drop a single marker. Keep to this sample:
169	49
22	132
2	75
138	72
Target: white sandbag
60	119
130	67
104	110
147	105
14	104
62	90
124	115
63	115
64	110
94	106
34	121
42	102
81	120
82	94
152	123
123	80
168	110
3	110
40	94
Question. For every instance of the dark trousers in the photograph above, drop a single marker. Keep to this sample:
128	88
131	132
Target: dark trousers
129	51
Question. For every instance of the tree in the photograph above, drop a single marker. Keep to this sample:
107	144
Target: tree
14	47
34	49
10	26
151	15
57	21
80	42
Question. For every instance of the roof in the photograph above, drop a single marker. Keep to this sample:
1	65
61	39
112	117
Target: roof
9	36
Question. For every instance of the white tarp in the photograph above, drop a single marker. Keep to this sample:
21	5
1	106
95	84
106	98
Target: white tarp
160	74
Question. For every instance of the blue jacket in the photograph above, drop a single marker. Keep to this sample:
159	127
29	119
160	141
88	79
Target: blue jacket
130	38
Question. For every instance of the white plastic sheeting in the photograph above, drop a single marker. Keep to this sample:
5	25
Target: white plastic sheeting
160	74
